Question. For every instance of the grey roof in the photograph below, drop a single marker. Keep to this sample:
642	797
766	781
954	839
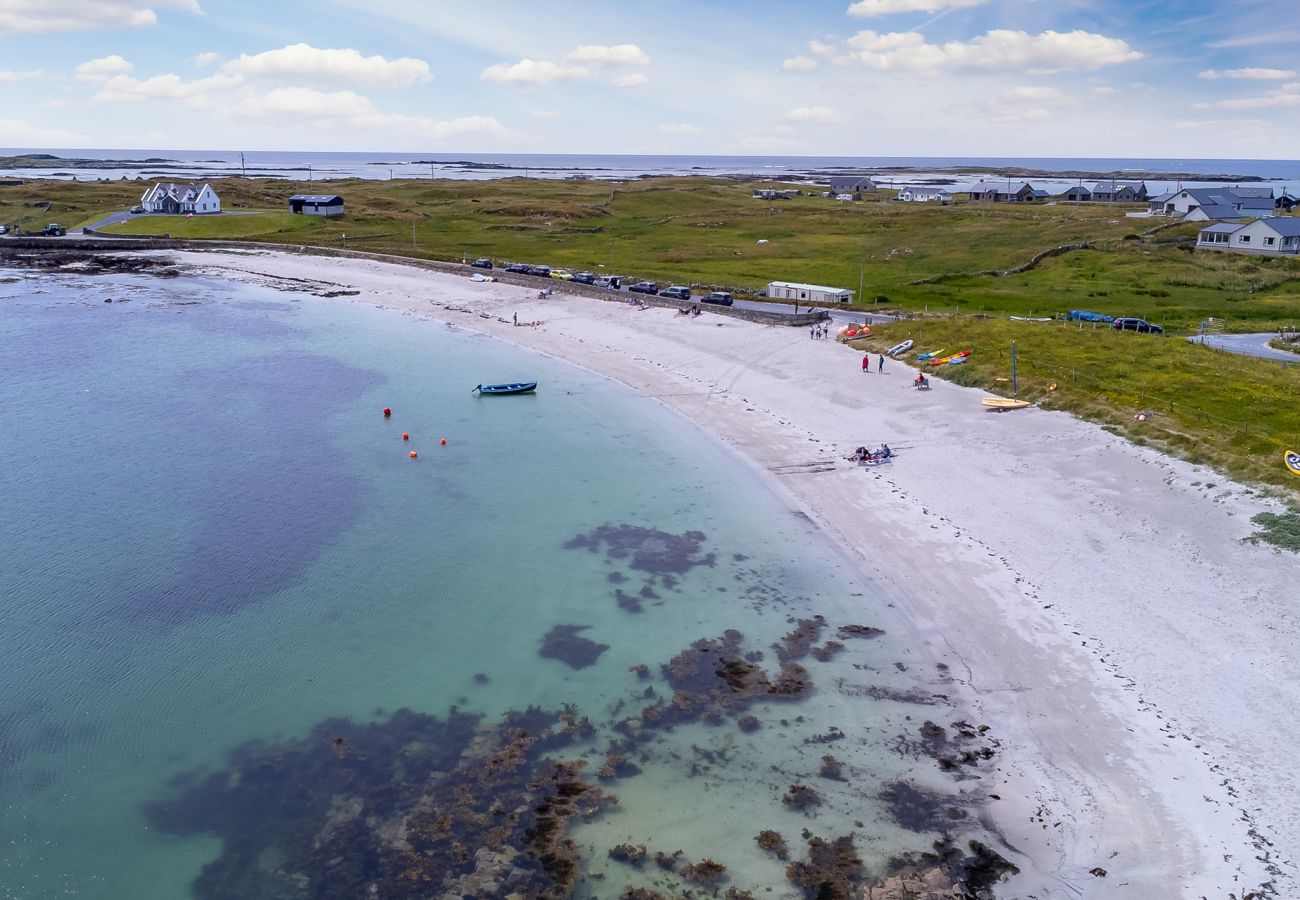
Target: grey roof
850	181
1222	227
1287	226
1111	187
1220	211
1229	197
1253	202
1253	192
1039	192
1168	195
1000	187
924	189
317	198
1081	188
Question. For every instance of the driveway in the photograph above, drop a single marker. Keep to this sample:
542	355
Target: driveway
1247	345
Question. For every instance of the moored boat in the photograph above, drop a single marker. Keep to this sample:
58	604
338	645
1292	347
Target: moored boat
516	387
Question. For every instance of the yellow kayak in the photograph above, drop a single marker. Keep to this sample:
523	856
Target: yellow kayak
1004	403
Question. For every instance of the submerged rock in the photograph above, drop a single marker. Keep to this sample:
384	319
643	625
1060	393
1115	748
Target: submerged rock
647	549
831	870
564	643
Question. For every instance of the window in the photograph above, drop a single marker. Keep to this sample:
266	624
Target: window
1268	242
1245	239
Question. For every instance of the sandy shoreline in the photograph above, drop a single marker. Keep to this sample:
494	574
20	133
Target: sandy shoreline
1135	659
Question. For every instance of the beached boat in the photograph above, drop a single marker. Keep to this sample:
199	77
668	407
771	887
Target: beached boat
901	348
932	354
518	387
1004	403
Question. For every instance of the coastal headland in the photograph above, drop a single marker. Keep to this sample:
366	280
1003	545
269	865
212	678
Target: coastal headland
1094	599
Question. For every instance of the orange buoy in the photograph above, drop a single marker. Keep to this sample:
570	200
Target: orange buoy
413	454
388	412
443	442
406	436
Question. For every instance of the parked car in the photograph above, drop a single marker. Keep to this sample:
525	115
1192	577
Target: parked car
540	271
613	282
1139	325
4	229
644	287
562	274
54	230
722	298
482	263
518	268
137	210
676	292
584	278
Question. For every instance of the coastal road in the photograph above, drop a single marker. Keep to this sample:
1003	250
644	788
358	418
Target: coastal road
1247	345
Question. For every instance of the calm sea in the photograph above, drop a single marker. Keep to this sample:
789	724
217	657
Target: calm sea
219	560
305	166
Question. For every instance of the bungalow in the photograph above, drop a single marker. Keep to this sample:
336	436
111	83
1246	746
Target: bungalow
1077	194
1286	201
772	194
924	194
1120	192
1201	204
1269	236
811	293
1003	191
179	199
857	185
328	205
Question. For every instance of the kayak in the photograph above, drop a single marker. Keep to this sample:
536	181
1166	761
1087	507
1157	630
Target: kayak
949	359
1004	403
900	348
956	360
518	387
931	355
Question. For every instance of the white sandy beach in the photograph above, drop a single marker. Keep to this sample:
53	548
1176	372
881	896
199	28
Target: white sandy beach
1136	660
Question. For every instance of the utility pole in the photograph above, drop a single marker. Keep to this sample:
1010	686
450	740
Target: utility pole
243	173
862	269
1015	383
309	172
412	235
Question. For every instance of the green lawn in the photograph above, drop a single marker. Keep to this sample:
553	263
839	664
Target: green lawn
259	224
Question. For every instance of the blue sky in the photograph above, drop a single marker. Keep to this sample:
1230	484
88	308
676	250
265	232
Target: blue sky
1071	78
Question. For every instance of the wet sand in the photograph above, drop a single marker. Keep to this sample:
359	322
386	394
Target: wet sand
1094	598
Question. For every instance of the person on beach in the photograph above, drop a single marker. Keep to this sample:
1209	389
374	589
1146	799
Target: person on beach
516	320
880	366
866	363
812	332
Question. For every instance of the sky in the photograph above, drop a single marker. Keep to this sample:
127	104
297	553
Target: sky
1020	78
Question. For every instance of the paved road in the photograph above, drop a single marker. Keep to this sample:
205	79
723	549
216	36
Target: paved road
1248	345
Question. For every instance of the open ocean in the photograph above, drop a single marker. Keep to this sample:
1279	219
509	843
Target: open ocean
240	627
305	166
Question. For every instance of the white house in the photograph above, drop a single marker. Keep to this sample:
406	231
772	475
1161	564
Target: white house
810	293
178	199
1269	236
1208	204
923	194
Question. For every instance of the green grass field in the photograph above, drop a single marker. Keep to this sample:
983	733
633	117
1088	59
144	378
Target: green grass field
922	261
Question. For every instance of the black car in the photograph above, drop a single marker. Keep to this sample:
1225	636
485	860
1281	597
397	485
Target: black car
540	271
676	292
518	268
722	298
482	263
584	278
1139	325
644	287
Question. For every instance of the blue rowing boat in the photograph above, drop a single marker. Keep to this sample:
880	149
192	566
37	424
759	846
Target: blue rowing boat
518	387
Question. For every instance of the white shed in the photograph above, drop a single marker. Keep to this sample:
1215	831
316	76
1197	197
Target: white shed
808	293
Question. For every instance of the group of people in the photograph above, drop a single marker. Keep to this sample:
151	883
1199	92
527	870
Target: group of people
866	364
820	331
690	310
863	456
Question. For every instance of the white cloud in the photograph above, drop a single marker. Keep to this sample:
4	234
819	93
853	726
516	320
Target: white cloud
1249	73
1105	90
807	114
871	8
15	77
51	16
636	79
679	128
14	133
102	69
1034	93
532	71
821	48
798	64
203	60
598	55
1000	50
303	62
1286	96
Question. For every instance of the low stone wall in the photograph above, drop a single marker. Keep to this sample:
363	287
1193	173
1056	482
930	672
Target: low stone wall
119	243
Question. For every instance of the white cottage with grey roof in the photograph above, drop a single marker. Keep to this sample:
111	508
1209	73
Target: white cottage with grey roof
1269	236
181	199
924	194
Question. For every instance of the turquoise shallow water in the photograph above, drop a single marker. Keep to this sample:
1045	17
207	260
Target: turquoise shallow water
212	537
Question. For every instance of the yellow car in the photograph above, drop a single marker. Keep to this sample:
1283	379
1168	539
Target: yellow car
562	274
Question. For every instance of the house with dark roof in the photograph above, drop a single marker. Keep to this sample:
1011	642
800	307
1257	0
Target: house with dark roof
1077	194
1004	192
1206	204
181	199
852	184
924	194
328	205
1267	236
1120	192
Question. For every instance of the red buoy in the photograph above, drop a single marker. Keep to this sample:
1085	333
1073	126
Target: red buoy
405	436
388	412
443	442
